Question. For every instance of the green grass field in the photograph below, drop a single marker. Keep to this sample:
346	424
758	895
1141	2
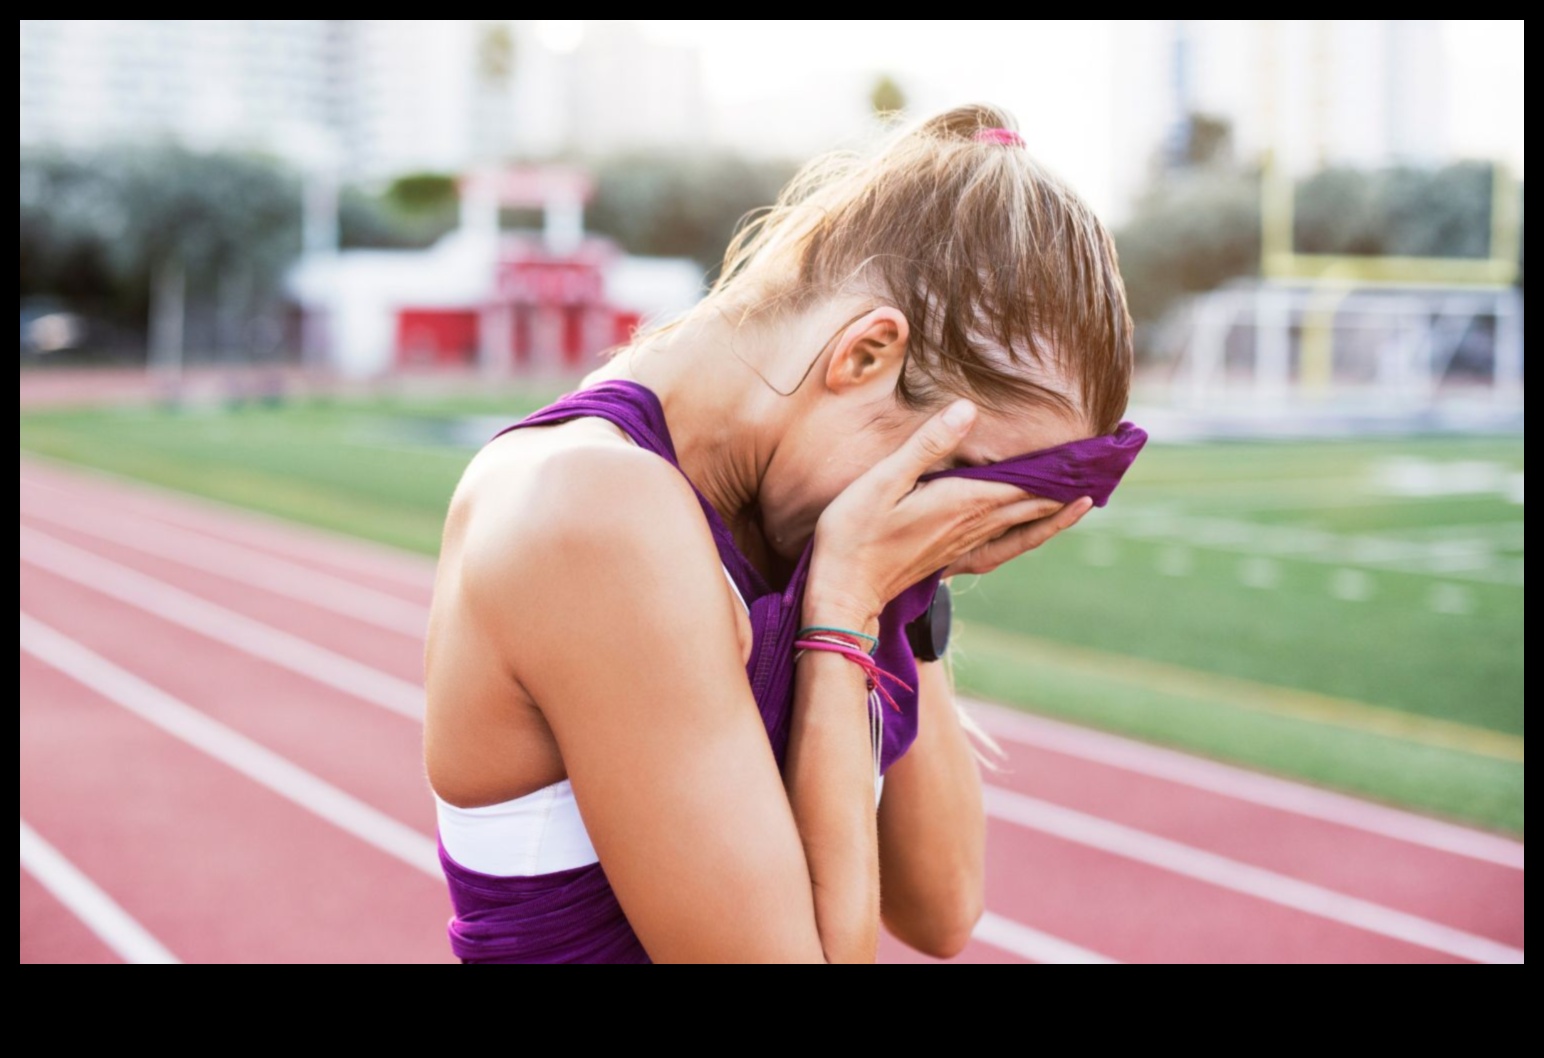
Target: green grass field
1349	612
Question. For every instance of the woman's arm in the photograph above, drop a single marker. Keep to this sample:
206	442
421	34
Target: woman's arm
602	591
598	586
932	829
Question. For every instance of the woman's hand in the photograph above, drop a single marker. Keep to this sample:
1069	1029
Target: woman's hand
1019	539
885	532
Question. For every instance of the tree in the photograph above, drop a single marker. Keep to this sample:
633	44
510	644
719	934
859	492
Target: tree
495	54
1208	141
97	227
1187	236
1195	230
887	98
674	206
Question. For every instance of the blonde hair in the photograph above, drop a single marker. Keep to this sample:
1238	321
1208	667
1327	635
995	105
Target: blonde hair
1008	281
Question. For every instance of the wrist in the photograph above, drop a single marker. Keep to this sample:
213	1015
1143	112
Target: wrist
832	610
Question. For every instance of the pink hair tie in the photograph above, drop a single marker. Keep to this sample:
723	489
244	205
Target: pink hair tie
1001	137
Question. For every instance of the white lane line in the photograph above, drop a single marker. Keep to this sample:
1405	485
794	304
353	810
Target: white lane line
313	794
263	641
99	912
1038	947
229	747
217	623
1470	556
231	523
245	566
1239	784
1189	862
400	696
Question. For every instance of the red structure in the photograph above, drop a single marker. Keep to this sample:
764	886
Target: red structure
548	308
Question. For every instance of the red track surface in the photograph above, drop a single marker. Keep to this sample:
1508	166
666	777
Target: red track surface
220	763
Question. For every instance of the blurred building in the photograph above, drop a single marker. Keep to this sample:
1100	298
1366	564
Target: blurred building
365	97
1315	92
501	301
204	82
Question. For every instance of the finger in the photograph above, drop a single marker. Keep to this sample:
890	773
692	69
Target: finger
934	441
1030	536
1074	512
990	496
1016	541
1027	509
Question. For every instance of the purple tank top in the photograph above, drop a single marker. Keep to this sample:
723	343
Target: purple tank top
573	916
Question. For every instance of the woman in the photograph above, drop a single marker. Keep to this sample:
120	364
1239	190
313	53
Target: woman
654	724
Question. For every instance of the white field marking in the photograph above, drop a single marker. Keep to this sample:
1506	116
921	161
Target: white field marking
226	521
229	747
1351	585
1315	498
1099	551
1514	489
1267	791
1208	867
1259	573
245	566
224	626
99	912
1507	536
1410	476
1038	947
1451	599
1175	562
1459	556
1460	552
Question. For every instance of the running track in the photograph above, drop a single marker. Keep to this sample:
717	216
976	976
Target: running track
220	763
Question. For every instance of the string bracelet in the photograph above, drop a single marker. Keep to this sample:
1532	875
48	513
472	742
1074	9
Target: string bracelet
842	633
875	676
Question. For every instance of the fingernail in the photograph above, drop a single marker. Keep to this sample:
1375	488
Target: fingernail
959	415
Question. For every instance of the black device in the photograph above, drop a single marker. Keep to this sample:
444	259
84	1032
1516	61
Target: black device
929	634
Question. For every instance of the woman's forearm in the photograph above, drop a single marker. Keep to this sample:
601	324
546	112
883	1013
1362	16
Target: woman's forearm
830	779
932	828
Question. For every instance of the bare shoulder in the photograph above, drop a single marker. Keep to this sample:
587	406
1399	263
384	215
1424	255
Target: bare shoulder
567	509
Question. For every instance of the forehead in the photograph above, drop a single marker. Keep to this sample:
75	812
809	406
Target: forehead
1002	435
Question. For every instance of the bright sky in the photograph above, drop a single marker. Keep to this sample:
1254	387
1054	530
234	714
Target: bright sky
1058	76
1485	106
1026	66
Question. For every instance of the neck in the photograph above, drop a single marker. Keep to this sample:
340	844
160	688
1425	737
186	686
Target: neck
725	419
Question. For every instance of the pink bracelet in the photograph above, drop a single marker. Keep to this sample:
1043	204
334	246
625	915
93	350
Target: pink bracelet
872	672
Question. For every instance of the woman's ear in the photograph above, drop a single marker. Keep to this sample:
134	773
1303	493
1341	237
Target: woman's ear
870	350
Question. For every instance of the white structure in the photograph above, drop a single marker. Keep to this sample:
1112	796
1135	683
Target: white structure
505	301
1261	349
1316	92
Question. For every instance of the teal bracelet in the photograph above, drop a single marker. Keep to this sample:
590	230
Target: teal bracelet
805	633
